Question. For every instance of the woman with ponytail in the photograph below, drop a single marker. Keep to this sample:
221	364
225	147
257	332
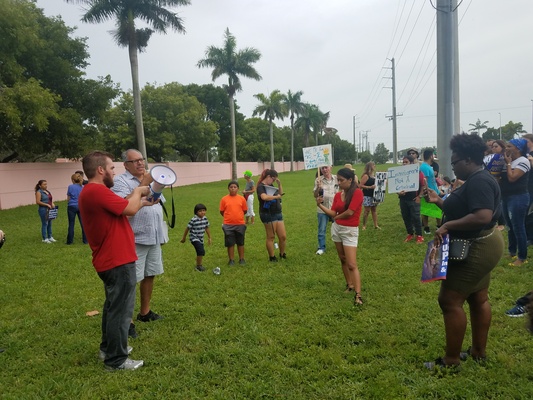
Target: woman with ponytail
270	212
345	212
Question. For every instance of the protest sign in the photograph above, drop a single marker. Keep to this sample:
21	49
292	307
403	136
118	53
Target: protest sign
435	266
381	187
403	178
317	156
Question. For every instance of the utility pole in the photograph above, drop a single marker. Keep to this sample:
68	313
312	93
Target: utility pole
394	115
365	139
500	126
360	144
354	145
448	110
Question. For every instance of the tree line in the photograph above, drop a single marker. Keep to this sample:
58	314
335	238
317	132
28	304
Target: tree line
50	109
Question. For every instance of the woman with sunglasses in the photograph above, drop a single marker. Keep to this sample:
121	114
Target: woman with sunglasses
470	212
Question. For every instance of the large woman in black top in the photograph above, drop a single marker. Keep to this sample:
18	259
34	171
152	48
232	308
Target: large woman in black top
470	212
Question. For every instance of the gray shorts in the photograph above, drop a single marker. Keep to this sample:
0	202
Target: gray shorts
150	262
233	235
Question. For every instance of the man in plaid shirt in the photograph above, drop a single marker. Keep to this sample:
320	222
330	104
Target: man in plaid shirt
149	230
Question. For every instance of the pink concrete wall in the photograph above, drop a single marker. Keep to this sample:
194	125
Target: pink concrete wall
17	181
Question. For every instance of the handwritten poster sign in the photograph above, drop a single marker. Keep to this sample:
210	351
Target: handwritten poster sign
317	156
404	177
381	187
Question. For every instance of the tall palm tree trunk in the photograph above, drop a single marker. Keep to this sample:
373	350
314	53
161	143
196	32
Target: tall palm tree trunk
271	145
139	127
292	142
233	140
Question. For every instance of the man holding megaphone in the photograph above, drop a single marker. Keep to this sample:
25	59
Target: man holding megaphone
149	229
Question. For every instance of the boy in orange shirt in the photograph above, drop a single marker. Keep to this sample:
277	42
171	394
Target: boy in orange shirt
232	208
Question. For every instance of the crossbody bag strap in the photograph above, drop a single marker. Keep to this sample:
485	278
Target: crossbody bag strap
172	221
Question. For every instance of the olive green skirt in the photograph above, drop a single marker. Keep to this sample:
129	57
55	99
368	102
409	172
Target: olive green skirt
473	274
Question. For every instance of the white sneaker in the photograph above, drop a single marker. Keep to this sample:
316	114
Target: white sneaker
101	353
129	364
52	240
46	241
319	252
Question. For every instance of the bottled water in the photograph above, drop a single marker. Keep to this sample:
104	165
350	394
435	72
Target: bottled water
216	271
276	245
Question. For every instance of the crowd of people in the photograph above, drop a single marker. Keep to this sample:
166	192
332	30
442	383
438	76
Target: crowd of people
125	230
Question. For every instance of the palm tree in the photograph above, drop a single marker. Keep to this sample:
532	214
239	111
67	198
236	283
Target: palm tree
228	61
311	119
271	107
476	128
295	107
320	124
125	12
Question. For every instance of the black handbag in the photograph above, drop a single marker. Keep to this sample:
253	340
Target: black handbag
458	249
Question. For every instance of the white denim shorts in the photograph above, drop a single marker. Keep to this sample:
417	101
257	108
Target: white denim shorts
347	235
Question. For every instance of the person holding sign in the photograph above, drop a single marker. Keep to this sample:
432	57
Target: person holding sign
43	198
427	209
345	212
470	213
326	186
368	184
410	207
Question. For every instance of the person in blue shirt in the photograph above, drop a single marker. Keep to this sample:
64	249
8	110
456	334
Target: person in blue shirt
73	192
427	209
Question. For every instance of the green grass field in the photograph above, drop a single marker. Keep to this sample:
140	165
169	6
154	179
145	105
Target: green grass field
264	330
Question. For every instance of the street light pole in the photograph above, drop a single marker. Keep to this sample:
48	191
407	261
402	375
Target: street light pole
354	145
500	126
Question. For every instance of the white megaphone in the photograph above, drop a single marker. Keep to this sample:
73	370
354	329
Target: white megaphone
162	176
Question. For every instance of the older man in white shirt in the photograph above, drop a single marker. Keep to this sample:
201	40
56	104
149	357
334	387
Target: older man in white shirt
149	229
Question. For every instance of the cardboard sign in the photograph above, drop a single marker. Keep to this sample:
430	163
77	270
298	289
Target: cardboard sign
317	156
403	178
381	187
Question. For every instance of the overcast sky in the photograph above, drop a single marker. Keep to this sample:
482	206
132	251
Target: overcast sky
337	53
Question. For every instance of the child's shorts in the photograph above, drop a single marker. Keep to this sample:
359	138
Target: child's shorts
199	247
234	235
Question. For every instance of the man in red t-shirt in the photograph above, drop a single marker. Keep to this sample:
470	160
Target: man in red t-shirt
232	208
112	243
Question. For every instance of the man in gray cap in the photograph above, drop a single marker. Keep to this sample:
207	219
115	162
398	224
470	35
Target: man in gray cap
413	152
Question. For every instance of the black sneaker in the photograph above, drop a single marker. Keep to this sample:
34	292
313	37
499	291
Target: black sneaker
284	255
242	261
151	316
273	259
132	333
427	231
200	268
231	262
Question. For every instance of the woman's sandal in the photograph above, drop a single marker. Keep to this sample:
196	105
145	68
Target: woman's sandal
517	263
463	356
357	300
439	364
